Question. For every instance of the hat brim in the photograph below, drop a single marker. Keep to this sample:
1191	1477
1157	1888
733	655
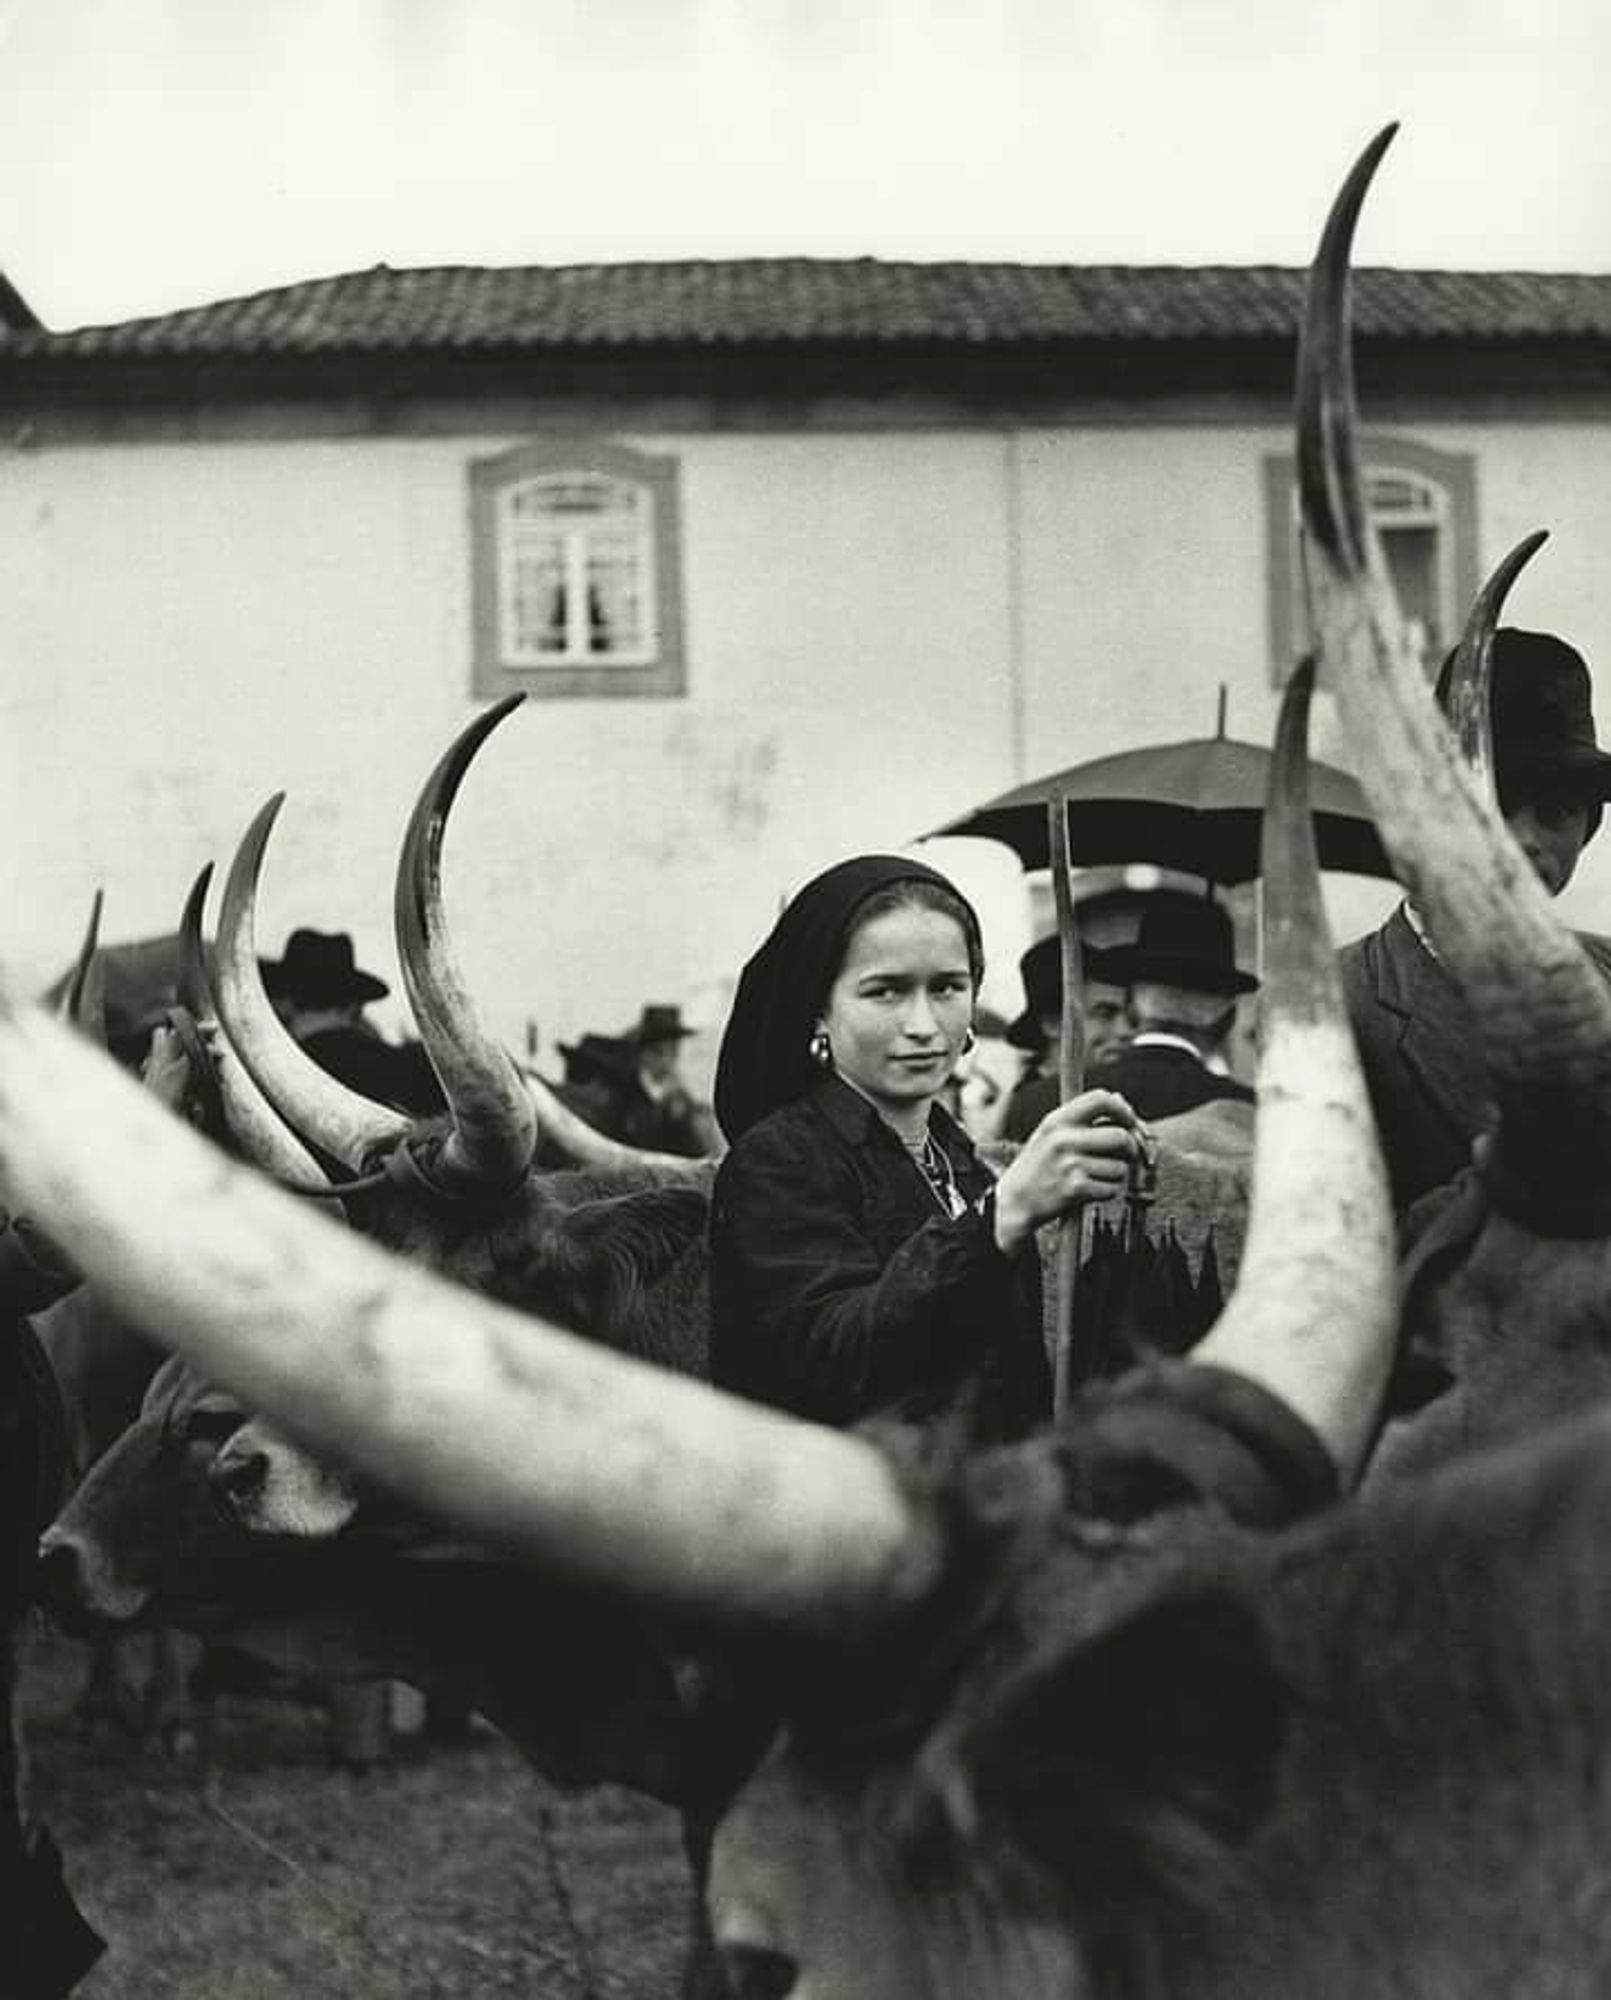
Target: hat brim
1130	967
1025	1033
1096	964
1584	771
363	986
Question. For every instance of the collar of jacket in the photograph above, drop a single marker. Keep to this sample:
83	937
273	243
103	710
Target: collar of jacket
1407	971
1159	1038
1417	928
850	1114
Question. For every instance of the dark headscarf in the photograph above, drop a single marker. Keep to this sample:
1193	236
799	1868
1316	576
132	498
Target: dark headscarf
765	1059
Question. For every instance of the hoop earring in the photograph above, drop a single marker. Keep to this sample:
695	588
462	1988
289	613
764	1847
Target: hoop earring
820	1049
970	1041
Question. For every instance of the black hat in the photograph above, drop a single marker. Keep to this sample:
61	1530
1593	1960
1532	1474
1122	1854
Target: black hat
1041	970
658	1024
1183	941
1541	710
318	970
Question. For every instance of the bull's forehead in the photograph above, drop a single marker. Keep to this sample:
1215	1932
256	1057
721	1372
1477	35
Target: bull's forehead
856	1850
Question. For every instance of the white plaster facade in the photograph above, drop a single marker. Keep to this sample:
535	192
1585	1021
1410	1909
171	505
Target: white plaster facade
884	626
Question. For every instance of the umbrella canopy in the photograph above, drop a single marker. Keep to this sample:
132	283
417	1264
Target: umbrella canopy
141	981
1195	806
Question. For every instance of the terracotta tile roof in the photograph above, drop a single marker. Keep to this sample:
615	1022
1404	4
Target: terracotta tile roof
804	300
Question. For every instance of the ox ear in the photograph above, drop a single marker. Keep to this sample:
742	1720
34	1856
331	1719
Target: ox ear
1128	1768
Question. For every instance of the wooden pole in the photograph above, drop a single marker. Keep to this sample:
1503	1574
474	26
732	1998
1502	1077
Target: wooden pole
1071	1081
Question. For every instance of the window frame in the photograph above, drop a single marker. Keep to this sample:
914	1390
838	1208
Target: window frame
1453	477
493	671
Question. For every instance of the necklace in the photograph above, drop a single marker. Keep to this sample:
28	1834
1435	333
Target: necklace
932	1162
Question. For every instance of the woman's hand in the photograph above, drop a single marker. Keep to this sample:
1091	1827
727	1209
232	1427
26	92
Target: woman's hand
166	1068
1081	1152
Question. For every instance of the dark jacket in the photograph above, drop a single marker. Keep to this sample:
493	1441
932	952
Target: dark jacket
1422	1054
1160	1080
622	1109
1039	1090
398	1074
45	1945
838	1288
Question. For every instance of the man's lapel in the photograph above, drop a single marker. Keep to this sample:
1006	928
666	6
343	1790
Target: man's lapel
1437	1034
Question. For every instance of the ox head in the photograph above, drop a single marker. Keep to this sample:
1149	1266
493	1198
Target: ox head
1511	1285
586	1247
462	1194
139	1540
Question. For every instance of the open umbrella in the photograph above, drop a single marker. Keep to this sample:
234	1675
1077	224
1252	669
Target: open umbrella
1194	805
141	979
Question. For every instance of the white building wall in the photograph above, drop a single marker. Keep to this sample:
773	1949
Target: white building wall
882	627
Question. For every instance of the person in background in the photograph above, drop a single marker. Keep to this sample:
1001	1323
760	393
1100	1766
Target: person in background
1182	984
863	1259
676	1121
1106	921
630	1086
320	993
1428	1081
1036	1030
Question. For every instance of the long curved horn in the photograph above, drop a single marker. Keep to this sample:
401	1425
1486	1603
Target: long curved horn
342	1123
1468	700
1544	1015
257	1129
84	1000
494	1125
530	1440
1314	1312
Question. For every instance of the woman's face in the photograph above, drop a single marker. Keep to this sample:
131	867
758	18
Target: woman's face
901	1006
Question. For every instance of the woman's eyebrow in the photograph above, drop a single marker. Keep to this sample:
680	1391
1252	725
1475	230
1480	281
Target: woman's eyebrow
881	977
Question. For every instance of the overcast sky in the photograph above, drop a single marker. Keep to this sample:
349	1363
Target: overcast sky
162	152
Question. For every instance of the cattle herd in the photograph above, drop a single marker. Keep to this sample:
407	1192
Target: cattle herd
1182	1697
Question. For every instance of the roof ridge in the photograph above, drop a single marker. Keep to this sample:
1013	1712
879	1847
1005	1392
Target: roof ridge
715	300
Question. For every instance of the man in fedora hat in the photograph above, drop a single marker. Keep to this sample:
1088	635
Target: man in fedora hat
320	992
630	1085
1109	923
1422	1058
1182	984
1102	1010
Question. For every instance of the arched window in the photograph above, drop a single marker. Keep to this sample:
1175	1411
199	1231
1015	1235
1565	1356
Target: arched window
575	552
1424	505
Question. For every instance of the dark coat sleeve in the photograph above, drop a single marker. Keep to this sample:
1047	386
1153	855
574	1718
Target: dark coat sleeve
33	1272
806	1314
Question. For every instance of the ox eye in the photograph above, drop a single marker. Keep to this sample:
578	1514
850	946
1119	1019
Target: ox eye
208	1426
753	1972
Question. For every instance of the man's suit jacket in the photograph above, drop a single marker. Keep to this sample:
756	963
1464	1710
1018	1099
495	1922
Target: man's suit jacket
1161	1080
1422	1055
